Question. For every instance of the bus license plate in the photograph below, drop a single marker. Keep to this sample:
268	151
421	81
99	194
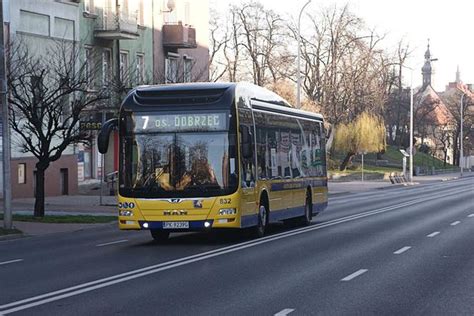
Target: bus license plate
175	225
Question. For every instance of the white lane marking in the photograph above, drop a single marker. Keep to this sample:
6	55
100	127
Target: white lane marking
112	243
433	234
455	223
471	215
138	273
284	312
354	275
401	250
11	261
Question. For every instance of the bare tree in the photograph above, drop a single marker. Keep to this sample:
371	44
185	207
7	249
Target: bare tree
48	93
218	40
254	45
452	99
344	70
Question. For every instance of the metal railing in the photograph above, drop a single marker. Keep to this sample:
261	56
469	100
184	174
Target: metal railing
118	19
111	180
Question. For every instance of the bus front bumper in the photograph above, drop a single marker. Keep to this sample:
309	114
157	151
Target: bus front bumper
178	225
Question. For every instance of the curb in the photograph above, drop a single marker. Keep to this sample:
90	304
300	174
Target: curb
12	237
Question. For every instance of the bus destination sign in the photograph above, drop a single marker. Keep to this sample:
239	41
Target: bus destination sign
180	122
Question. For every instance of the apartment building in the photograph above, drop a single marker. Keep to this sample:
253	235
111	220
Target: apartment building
124	43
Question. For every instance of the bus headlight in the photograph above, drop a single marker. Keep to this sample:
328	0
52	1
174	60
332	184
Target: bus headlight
125	213
227	211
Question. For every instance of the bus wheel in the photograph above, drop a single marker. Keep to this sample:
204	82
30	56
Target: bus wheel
159	235
259	230
308	211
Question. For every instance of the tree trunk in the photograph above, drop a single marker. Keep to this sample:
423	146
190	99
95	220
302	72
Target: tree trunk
346	161
39	193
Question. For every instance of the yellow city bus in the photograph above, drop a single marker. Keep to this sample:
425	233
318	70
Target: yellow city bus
203	156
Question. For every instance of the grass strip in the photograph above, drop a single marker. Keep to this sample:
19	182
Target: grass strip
4	231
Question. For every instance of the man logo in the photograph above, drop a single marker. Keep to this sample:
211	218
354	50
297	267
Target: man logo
175	212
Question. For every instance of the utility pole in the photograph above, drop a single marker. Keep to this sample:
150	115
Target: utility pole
7	193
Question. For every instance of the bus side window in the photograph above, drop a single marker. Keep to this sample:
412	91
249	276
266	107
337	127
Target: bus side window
248	163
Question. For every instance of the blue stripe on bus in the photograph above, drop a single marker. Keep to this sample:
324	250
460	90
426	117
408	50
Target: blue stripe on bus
319	207
248	221
280	215
276	216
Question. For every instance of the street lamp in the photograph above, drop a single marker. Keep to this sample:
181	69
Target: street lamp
461	155
411	126
298	74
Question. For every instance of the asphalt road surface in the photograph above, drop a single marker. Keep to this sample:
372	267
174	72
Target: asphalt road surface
404	250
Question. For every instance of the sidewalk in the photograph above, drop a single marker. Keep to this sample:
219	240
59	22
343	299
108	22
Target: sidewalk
339	187
62	205
90	205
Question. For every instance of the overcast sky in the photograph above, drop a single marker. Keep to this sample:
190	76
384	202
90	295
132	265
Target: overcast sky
448	24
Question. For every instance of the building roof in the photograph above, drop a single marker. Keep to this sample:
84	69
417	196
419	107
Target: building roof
429	104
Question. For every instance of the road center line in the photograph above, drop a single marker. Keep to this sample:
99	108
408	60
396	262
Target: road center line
455	223
112	243
433	234
354	275
471	215
284	312
401	250
10	261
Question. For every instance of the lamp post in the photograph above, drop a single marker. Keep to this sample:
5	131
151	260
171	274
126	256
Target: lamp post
461	154
410	152
7	192
411	127
298	73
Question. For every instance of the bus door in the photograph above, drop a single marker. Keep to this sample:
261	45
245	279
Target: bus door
248	175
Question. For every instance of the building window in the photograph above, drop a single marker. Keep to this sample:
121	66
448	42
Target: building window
124	68
171	69
187	71
66	104
140	68
106	67
88	68
22	173
34	23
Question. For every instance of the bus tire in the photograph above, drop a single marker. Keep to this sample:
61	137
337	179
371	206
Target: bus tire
262	221
305	220
159	235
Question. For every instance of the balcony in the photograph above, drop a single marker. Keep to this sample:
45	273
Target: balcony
117	24
178	36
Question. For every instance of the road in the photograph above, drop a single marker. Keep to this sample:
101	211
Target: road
405	250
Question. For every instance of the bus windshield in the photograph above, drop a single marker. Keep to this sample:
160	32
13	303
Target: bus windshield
187	163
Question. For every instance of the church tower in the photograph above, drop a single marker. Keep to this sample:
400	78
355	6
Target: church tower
458	75
426	70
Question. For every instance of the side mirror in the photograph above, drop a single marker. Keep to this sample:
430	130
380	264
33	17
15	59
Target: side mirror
246	141
104	135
